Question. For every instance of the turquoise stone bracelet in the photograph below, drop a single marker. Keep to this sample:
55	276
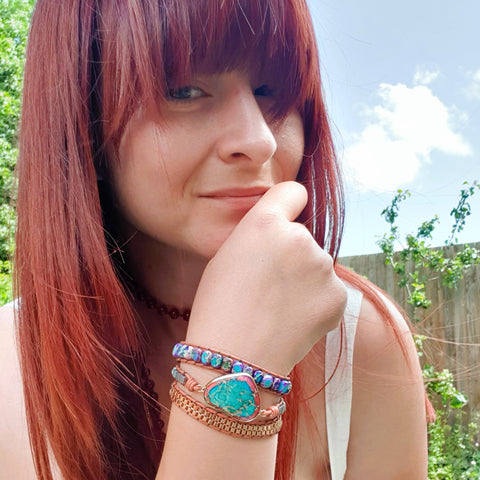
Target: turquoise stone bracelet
234	394
220	422
219	361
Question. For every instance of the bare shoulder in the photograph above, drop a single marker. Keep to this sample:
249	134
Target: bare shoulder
14	444
377	338
388	424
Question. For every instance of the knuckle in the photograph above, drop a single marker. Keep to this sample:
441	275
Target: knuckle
266	219
300	237
327	261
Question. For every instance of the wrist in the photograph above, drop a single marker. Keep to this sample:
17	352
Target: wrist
225	363
194	380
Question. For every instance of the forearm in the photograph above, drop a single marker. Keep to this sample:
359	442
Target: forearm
194	450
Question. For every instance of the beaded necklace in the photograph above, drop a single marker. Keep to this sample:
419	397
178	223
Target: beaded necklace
160	307
146	382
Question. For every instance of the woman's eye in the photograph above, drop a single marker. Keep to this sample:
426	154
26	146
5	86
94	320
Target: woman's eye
187	92
264	91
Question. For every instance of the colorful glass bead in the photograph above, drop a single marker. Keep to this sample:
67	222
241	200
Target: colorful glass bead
248	369
181	350
227	364
216	360
267	381
235	394
276	384
258	376
237	367
188	352
184	352
206	357
196	354
285	387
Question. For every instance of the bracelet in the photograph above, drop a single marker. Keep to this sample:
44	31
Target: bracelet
220	422
216	360
234	394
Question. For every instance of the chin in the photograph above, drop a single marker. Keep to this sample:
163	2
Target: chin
210	244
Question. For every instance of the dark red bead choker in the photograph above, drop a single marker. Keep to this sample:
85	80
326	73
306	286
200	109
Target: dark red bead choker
160	307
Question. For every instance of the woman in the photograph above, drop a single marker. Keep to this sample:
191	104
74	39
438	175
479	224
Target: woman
179	151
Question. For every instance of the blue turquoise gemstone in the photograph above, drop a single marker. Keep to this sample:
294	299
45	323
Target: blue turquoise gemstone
267	381
235	394
237	367
206	357
258	376
227	364
175	350
216	360
248	369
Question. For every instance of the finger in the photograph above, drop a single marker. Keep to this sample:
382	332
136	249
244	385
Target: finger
286	198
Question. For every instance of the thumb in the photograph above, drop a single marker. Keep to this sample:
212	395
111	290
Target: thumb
286	198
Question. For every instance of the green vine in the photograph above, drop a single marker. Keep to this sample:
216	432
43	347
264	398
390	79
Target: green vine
416	256
453	450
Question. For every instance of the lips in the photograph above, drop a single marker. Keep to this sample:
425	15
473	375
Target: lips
236	192
237	199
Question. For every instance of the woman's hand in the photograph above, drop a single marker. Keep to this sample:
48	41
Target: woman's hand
270	293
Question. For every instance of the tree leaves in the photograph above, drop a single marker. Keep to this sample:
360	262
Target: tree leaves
14	21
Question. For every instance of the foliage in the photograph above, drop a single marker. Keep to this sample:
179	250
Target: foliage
453	450
442	384
14	21
416	262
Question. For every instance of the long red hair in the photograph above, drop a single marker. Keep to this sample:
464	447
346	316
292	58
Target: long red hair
90	65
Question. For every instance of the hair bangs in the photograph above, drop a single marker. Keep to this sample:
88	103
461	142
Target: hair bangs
148	47
265	37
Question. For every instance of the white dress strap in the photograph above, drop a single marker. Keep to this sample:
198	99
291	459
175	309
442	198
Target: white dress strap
338	391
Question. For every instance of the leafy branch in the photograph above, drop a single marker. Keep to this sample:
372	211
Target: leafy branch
416	263
416	255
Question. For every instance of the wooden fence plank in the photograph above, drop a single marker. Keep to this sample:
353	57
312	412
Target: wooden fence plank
453	319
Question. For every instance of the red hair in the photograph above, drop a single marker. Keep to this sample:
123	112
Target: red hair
90	65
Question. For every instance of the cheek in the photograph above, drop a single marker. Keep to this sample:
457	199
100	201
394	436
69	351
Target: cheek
291	143
145	163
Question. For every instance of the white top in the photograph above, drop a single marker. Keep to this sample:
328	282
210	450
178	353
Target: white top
338	391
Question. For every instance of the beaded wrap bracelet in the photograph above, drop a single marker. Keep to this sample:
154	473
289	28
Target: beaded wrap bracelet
235	395
219	361
220	422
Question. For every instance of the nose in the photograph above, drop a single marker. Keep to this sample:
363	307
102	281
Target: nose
244	132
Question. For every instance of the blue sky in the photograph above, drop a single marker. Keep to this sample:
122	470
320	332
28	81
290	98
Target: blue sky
402	84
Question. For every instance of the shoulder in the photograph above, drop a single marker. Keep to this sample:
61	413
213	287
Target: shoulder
11	394
382	331
388	423
14	444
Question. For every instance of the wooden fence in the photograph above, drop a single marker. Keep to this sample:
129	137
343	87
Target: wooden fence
451	323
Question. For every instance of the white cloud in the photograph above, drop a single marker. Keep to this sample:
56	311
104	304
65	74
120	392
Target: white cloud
473	89
401	133
424	76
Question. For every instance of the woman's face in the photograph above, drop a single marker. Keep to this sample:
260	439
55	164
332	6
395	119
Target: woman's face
187	176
